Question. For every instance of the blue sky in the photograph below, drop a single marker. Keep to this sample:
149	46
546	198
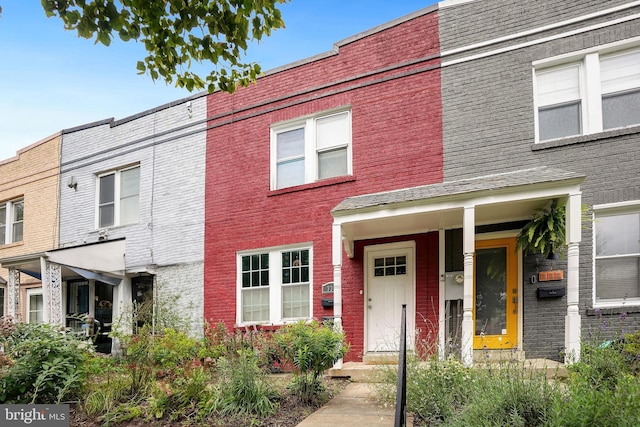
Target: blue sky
52	80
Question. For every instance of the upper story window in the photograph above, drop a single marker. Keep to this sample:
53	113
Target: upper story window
118	197
617	254
311	149
596	92
11	221
274	285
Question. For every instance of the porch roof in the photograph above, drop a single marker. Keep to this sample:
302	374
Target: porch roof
100	260
455	189
497	198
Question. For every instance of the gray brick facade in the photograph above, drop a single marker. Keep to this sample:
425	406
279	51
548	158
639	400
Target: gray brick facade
489	126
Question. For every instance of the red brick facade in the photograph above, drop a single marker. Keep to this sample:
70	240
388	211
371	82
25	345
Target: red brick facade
391	82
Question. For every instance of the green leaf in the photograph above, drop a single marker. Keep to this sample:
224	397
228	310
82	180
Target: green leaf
224	28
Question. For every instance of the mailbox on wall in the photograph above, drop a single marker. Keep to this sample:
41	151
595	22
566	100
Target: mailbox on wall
552	292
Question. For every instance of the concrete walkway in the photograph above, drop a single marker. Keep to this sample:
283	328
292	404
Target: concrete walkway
355	406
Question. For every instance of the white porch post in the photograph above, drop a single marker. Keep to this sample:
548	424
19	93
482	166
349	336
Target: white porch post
13	297
468	232
572	319
336	260
52	291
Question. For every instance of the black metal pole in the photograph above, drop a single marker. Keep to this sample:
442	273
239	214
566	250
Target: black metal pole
401	392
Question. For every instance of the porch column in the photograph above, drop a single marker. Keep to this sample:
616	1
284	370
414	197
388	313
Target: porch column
572	323
336	260
468	247
13	297
52	291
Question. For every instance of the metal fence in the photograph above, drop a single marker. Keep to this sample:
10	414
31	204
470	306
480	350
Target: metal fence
401	391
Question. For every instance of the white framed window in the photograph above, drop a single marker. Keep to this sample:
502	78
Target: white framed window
274	285
586	94
118	196
11	221
617	254
35	306
311	149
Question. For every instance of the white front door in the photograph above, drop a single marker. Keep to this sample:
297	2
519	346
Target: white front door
390	284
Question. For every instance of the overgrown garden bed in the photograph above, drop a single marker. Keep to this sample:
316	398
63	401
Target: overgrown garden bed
170	378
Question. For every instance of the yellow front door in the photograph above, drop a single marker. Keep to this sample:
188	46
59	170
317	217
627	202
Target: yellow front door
495	311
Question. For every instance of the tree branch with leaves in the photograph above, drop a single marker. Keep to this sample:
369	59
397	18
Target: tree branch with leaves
177	33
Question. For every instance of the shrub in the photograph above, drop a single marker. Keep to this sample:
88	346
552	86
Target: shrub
586	405
311	348
243	387
508	394
220	342
44	364
435	389
600	366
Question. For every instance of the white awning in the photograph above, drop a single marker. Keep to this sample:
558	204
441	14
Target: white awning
92	275
105	256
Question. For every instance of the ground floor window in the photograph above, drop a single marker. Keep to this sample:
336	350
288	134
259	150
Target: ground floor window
617	254
35	306
78	305
274	285
142	300
2	304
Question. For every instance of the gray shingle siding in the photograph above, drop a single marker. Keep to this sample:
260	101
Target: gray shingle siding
488	127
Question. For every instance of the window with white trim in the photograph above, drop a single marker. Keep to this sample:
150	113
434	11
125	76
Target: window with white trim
274	285
35	306
11	221
118	197
597	92
311	149
617	255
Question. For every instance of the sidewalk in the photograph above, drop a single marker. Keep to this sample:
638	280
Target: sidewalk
355	406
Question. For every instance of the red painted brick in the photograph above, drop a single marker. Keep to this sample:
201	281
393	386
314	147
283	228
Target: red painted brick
397	143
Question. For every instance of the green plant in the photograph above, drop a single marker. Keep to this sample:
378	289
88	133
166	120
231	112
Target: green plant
104	397
545	232
585	405
311	348
244	389
508	394
600	366
436	389
630	348
45	364
172	349
218	341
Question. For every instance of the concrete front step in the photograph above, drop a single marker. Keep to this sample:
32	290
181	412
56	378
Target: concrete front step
374	373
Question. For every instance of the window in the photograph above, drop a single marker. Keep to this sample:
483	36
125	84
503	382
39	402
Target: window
77	303
35	306
617	255
390	266
11	221
598	92
274	285
308	150
118	197
2	304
